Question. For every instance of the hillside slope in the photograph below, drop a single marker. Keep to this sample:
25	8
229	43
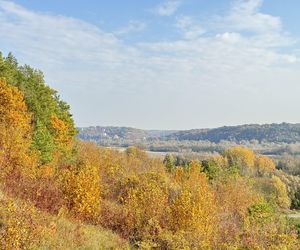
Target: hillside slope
103	133
283	132
41	230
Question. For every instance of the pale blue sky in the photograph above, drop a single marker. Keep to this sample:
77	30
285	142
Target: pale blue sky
163	64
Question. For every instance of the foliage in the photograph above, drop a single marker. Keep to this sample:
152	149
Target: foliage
260	212
17	228
264	164
240	157
144	202
23	227
82	188
15	132
169	162
42	101
211	169
280	192
193	209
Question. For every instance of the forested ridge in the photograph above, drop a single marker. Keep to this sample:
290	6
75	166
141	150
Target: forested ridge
57	192
98	133
283	132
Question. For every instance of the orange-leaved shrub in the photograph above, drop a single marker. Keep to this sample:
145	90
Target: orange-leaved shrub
82	187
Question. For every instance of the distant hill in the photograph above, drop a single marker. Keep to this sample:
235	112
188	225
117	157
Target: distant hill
284	132
104	133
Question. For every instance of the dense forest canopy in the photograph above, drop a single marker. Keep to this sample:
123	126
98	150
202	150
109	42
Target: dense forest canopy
57	192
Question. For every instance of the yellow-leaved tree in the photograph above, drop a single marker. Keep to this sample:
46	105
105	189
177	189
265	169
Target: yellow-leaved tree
280	193
15	132
264	164
193	209
145	203
62	139
241	158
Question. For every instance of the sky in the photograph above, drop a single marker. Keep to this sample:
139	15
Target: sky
162	64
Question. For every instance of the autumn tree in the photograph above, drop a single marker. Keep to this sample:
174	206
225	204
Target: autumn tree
280	193
242	158
193	209
82	187
234	196
145	203
15	130
42	102
264	164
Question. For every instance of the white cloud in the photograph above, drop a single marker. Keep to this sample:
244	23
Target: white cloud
167	8
245	16
58	38
189	28
246	6
133	26
208	71
229	37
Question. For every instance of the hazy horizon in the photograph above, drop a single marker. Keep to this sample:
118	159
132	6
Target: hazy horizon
162	64
170	129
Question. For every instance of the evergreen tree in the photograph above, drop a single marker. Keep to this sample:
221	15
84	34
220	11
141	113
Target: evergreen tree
169	162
